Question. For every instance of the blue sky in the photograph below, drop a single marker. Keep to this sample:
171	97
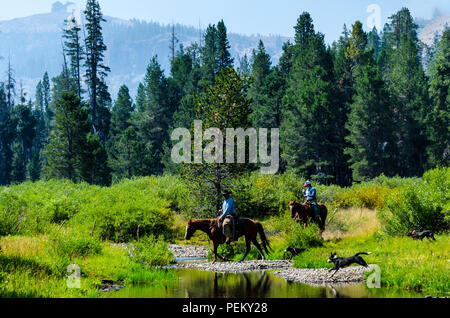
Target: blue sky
242	16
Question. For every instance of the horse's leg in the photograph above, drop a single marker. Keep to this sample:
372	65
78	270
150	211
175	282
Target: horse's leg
255	242
247	244
215	252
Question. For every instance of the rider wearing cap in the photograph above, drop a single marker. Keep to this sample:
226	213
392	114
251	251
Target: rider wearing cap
311	199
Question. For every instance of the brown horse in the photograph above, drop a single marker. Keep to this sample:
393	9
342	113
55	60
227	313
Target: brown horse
245	227
303	212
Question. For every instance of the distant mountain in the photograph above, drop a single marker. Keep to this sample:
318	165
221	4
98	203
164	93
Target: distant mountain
431	28
34	45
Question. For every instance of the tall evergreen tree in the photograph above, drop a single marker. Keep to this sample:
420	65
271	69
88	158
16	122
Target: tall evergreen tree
10	86
210	55
66	152
96	70
24	123
408	88
371	126
74	50
310	114
262	115
126	150
224	58
438	119
6	138
154	116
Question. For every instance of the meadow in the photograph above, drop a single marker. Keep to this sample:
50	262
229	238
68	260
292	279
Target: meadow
48	225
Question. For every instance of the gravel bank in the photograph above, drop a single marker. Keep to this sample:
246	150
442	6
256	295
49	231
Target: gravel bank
283	268
322	276
235	267
185	251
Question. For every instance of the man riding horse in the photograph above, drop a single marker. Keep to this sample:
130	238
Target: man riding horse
311	199
228	217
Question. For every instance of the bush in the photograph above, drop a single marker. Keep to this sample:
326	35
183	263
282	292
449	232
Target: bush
260	196
12	213
369	196
151	252
122	210
72	245
296	235
422	205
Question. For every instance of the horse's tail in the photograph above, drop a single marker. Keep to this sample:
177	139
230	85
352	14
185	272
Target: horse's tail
265	241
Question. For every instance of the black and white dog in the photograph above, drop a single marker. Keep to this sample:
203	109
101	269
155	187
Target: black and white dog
342	262
294	251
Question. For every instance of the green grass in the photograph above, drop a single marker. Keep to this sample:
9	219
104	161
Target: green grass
405	263
27	270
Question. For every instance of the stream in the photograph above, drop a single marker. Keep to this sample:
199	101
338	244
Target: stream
194	283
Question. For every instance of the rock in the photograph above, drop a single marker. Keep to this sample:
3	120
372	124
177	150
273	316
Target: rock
109	286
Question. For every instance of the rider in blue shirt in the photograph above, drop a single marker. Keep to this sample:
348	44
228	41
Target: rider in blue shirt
228	206
311	199
228	210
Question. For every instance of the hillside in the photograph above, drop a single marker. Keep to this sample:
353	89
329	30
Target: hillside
34	45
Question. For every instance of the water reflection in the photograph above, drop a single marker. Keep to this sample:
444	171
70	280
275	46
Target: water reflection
203	284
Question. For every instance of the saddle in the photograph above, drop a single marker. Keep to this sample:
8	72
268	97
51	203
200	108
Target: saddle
229	227
315	207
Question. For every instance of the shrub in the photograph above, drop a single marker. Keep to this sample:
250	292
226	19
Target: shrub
152	252
72	245
413	207
296	235
12	213
362	196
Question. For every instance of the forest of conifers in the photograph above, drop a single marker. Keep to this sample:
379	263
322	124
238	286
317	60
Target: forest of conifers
370	104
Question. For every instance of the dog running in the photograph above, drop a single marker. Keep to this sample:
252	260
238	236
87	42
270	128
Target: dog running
294	251
421	235
342	262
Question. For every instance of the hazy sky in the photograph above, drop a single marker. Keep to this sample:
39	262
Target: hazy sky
242	16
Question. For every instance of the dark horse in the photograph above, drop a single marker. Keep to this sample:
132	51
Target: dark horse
303	212
246	227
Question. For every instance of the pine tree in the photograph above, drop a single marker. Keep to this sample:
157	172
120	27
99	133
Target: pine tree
154	116
96	71
374	43
224	58
74	51
10	86
310	115
262	115
209	55
6	138
438	119
408	87
215	52
126	150
66	152
46	101
371	126
24	123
